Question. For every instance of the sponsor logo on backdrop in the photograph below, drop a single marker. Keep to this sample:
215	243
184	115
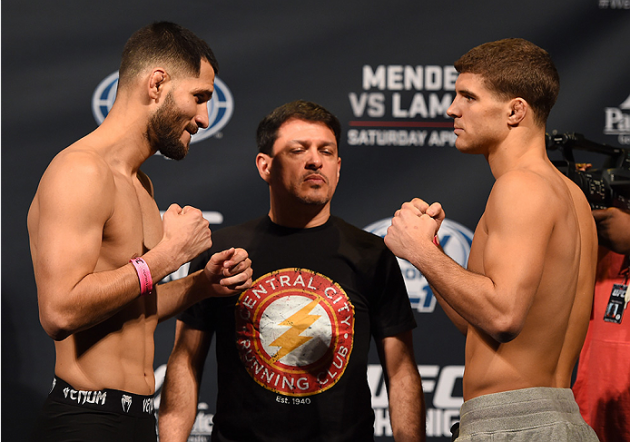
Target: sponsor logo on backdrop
455	239
613	4
220	107
440	386
618	122
403	106
294	333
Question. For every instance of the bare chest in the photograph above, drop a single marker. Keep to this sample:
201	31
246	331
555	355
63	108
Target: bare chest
134	227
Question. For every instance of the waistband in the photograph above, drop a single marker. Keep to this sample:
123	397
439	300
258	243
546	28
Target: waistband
519	410
114	401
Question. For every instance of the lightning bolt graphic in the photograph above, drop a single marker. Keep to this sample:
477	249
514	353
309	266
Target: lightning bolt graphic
291	339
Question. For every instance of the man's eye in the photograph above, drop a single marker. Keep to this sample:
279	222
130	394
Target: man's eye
201	99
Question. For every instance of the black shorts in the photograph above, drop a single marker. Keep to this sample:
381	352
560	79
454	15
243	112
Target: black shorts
71	415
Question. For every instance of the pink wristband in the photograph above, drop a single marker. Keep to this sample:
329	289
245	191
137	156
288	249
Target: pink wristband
144	275
436	241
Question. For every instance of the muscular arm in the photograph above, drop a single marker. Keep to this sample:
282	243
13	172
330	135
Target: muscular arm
404	387
178	406
495	294
81	267
74	200
456	319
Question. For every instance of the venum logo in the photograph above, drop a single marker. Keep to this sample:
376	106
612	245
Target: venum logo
220	107
454	238
126	401
618	122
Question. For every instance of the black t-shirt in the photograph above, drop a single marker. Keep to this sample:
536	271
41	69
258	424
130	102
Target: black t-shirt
292	351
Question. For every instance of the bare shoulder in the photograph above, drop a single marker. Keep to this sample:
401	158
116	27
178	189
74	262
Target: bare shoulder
80	164
519	189
515	180
75	180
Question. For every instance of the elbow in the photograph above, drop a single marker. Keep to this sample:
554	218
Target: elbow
55	326
505	330
504	337
56	333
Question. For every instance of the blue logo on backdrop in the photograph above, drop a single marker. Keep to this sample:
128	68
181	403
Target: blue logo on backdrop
220	107
454	238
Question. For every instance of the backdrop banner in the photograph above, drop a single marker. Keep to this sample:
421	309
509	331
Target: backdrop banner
384	68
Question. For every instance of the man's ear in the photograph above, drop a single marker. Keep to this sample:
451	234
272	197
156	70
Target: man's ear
518	110
157	79
263	163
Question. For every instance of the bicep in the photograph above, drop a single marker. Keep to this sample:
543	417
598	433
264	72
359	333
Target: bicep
519	224
74	204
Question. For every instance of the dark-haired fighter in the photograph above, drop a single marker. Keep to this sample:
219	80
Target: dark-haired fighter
525	300
99	245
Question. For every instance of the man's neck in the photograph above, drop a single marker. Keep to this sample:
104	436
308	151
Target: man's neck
516	153
302	217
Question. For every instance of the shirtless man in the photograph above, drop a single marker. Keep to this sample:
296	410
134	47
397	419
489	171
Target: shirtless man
93	213
525	300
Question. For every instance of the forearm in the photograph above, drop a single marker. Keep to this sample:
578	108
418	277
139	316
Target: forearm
226	273
94	299
178	295
473	298
406	407
456	319
178	406
68	307
613	229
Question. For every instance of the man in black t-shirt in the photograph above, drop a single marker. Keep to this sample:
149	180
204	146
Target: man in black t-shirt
292	351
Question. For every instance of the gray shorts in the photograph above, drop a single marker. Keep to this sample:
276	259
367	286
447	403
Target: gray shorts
529	414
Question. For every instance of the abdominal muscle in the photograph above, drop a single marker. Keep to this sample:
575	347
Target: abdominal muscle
115	354
493	367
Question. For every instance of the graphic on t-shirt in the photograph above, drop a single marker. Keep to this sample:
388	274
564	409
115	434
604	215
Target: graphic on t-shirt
294	331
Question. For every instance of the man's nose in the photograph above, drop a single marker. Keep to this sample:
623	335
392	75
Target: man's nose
452	109
314	159
202	118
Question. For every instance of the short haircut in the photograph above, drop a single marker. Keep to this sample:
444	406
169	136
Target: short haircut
515	67
267	132
164	43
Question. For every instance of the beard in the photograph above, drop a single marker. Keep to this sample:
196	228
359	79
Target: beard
164	133
309	195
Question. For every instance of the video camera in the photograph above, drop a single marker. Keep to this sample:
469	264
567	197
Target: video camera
606	186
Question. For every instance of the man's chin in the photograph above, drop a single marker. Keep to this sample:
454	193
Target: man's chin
314	200
176	155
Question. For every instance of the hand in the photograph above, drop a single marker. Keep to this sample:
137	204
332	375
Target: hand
229	271
186	233
414	224
613	229
434	210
